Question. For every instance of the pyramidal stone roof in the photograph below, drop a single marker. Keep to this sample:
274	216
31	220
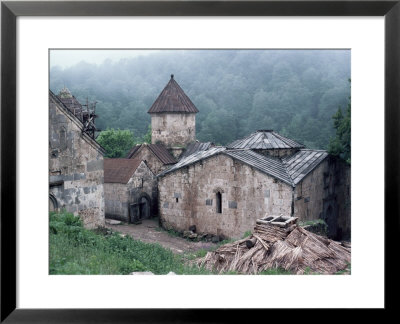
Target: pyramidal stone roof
173	100
265	140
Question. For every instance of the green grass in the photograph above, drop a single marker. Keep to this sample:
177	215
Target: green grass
246	234
76	250
275	271
312	222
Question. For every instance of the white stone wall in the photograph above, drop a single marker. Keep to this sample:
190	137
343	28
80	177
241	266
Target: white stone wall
173	129
188	197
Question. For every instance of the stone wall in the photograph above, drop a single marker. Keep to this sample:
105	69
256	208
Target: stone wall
118	196
144	182
188	197
145	154
325	194
309	194
76	174
173	129
116	201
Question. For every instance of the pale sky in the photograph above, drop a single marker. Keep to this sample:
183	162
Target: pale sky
67	58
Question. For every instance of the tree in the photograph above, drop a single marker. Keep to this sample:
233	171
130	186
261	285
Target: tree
116	142
147	136
340	145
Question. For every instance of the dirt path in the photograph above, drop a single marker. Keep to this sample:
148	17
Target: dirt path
150	232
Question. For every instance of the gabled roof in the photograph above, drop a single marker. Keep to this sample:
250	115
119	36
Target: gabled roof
56	100
290	170
266	164
70	102
173	100
159	150
265	140
191	159
302	163
196	147
119	170
133	150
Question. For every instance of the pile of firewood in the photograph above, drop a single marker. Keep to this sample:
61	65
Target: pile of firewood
291	248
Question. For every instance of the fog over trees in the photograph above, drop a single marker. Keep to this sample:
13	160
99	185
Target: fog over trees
294	92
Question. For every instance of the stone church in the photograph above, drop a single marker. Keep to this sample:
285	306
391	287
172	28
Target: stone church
218	190
223	190
76	172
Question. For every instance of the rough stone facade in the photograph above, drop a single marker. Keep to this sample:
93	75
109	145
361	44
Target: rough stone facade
76	173
188	197
154	163
173	129
325	194
141	187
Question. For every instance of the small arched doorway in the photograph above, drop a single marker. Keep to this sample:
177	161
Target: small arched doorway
144	207
141	209
53	205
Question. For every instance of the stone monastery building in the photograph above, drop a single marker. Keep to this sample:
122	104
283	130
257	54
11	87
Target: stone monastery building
218	190
76	173
223	190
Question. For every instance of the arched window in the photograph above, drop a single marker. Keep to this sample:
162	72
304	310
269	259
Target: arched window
63	138
219	202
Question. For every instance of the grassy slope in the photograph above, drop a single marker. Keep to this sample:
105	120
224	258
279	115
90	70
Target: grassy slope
76	250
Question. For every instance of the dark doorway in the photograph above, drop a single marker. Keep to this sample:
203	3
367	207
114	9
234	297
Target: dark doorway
144	208
219	202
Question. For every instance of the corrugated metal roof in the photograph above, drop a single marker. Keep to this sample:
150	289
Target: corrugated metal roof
173	100
119	170
159	150
302	163
264	140
266	164
193	158
196	147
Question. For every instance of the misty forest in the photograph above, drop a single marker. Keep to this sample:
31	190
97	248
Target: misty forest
297	93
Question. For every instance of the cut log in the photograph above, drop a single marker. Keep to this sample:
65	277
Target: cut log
251	242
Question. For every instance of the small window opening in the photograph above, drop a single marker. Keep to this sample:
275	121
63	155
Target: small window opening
176	199
219	202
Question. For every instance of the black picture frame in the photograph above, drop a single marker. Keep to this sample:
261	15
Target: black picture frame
10	10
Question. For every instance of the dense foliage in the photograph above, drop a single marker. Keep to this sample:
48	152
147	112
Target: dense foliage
340	145
117	142
294	92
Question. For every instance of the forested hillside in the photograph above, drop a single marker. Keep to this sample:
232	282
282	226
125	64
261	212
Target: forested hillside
294	92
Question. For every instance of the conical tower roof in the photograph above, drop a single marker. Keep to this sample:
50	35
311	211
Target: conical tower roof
173	100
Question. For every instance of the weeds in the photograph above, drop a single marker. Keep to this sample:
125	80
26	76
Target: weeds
76	250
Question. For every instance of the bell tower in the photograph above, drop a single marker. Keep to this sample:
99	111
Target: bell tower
173	118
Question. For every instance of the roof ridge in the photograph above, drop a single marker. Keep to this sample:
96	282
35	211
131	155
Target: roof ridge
285	140
75	119
288	180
